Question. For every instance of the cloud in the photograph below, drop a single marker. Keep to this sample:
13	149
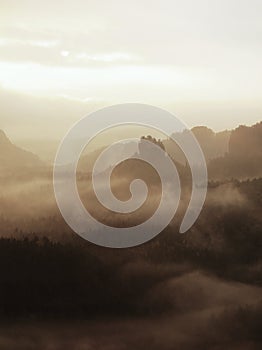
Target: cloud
55	53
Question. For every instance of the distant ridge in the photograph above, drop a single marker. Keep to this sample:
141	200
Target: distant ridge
13	157
244	157
213	144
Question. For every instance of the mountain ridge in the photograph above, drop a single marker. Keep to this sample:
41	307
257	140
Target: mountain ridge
13	157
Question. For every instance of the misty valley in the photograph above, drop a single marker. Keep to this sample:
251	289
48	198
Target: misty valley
198	290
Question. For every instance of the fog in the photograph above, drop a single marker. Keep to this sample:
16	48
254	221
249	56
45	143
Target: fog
199	290
203	312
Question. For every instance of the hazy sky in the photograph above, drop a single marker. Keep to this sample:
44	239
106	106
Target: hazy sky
60	59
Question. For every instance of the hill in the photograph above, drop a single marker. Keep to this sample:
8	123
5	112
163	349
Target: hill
213	144
244	157
13	157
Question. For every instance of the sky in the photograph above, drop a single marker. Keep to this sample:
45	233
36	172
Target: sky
61	59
